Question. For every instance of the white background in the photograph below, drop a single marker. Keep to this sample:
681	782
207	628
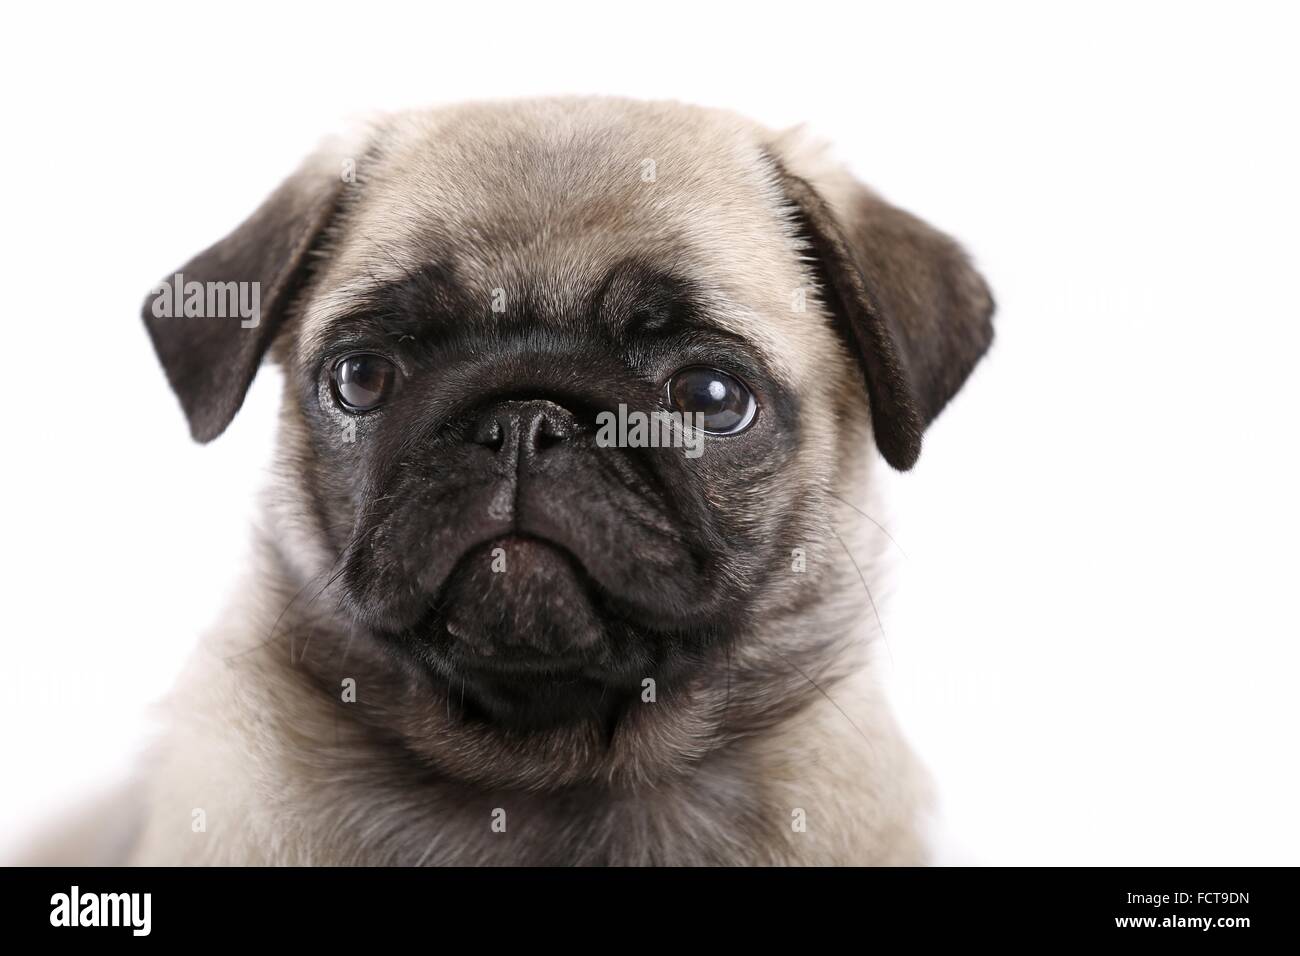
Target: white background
1093	634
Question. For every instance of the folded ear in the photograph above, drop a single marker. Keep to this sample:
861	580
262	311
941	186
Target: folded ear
214	319
905	298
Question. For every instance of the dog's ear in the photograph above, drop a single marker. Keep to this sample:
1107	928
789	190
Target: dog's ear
906	301
213	320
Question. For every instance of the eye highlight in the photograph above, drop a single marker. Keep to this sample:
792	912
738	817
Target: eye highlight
363	381
725	403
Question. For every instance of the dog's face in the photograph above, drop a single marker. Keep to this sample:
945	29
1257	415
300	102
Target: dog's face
488	533
464	308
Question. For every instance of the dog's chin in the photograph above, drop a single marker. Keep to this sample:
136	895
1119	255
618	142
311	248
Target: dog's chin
522	636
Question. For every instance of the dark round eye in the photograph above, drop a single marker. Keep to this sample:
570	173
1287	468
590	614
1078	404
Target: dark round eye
363	380
723	401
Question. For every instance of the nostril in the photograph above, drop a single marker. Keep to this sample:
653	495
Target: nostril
547	431
545	440
489	433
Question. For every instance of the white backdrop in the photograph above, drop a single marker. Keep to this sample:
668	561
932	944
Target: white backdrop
1092	637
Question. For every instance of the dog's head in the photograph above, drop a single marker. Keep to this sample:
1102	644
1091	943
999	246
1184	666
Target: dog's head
483	314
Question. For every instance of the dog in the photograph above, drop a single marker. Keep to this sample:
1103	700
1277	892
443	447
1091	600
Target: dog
474	633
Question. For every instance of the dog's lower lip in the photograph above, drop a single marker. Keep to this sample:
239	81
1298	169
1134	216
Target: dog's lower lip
513	661
513	539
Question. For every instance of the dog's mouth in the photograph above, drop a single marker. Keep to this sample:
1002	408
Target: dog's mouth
559	598
522	634
519	601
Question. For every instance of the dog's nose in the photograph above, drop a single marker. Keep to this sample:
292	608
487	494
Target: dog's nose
528	428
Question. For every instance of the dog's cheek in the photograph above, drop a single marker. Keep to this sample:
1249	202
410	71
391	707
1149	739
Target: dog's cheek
751	486
331	451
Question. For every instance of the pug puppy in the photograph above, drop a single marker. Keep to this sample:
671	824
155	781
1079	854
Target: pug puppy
475	633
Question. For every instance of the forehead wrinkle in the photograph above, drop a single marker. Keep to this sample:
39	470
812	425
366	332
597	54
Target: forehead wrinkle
564	290
400	296
326	310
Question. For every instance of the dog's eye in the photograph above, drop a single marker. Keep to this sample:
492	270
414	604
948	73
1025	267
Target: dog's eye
726	405
363	380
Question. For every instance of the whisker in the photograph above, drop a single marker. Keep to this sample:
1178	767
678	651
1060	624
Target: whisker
821	690
341	566
870	597
882	528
